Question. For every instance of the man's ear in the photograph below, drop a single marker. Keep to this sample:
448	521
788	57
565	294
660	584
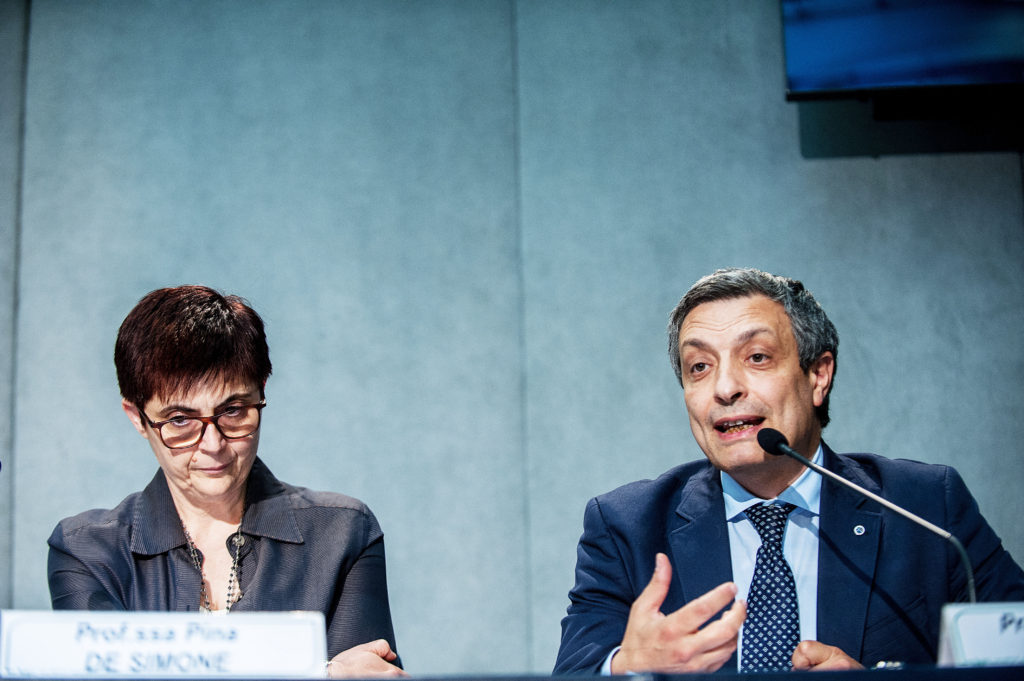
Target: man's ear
134	416
820	375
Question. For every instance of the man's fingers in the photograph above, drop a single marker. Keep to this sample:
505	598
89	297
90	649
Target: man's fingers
676	642
709	648
694	614
817	656
653	595
809	654
736	615
707	660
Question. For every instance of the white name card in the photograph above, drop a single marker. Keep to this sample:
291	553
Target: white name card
158	645
982	634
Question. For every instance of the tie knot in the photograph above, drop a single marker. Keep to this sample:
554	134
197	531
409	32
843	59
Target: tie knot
770	520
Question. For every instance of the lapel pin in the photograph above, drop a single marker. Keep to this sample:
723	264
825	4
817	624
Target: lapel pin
859	530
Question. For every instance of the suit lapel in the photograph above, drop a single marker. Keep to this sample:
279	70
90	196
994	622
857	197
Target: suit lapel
699	539
849	538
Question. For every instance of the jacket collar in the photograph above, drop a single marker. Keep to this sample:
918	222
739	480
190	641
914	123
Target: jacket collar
700	516
156	528
699	539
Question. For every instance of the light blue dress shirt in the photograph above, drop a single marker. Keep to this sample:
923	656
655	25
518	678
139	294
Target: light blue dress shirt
799	546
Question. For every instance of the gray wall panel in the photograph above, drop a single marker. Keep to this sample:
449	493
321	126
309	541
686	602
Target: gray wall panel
12	47
465	224
351	171
656	147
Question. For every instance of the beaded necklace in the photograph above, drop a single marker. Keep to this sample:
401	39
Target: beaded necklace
234	587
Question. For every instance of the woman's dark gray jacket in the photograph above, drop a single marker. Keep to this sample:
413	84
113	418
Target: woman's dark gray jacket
300	550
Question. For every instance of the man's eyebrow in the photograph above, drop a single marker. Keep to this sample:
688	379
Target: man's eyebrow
744	337
749	334
695	343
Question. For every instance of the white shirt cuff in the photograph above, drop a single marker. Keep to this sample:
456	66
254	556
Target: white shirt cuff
606	668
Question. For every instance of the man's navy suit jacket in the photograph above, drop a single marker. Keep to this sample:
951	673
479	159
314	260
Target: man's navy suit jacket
882	580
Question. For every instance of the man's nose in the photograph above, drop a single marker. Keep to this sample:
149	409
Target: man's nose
729	384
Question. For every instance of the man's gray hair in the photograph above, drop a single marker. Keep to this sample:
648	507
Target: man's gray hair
815	334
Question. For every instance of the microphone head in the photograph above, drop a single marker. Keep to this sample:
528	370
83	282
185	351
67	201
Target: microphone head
772	441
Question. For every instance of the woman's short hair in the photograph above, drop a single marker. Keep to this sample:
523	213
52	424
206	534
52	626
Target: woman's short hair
814	333
176	338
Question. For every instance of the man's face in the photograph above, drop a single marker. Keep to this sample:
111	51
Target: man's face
214	469
741	372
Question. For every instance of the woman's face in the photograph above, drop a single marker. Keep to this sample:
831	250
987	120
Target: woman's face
213	471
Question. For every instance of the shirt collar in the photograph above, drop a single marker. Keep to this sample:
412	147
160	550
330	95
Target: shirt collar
805	493
156	527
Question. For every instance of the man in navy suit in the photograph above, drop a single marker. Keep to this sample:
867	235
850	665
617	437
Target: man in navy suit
664	566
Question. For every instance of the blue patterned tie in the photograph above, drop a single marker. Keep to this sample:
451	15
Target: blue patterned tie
772	628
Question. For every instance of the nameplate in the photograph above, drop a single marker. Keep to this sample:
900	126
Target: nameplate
982	634
157	645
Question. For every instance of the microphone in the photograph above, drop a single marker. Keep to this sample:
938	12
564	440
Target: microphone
774	442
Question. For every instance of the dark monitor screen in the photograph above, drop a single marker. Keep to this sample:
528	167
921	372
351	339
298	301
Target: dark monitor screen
844	47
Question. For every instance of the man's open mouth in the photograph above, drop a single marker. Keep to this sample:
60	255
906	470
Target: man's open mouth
737	425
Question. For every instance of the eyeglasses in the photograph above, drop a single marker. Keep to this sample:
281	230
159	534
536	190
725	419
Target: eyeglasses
235	422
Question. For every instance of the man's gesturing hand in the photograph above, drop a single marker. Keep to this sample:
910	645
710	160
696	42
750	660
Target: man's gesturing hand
817	656
675	642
